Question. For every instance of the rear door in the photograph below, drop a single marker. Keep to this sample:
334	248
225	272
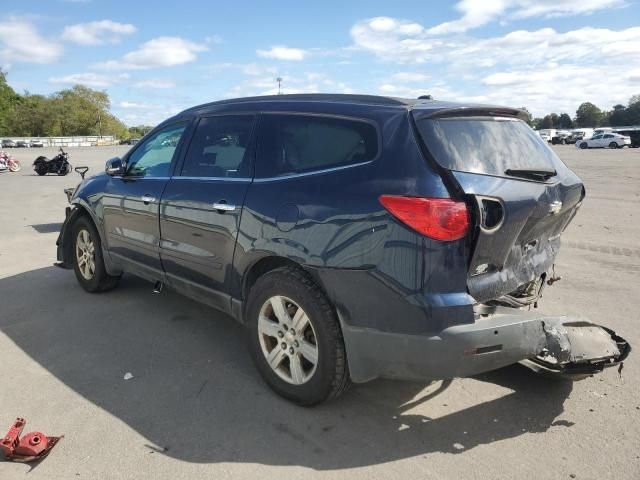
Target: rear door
202	205
521	194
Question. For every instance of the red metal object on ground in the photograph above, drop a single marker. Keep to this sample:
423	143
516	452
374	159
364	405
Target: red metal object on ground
32	446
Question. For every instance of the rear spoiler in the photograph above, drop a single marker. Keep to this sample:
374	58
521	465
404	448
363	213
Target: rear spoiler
471	111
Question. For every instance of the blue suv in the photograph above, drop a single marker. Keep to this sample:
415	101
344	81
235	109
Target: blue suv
354	236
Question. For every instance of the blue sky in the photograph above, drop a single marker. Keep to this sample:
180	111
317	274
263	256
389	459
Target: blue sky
157	60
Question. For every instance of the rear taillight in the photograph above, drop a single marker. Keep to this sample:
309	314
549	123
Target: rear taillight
438	218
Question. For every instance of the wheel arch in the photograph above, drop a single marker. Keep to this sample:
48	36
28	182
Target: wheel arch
66	238
267	264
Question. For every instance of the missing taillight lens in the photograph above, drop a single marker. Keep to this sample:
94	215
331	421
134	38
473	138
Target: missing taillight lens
438	218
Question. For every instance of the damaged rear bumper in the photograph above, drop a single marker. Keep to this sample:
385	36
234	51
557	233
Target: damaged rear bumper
506	336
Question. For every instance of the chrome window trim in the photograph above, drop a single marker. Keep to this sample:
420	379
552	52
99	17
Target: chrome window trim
139	177
227	179
314	172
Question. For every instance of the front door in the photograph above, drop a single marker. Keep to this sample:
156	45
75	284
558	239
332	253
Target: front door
202	204
131	202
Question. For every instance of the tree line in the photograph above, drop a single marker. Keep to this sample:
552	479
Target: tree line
76	111
589	115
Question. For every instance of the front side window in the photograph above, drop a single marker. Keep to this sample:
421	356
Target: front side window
152	158
290	143
220	147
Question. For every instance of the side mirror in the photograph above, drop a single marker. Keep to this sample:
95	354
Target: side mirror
114	167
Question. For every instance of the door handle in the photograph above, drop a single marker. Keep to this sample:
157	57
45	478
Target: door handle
147	199
222	206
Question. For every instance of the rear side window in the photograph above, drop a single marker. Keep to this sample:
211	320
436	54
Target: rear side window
289	144
220	147
485	145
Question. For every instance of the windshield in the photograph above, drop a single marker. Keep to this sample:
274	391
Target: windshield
486	145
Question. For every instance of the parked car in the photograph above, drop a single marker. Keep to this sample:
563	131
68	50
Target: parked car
602	140
22	144
354	236
130	141
545	136
37	143
561	137
8	144
633	134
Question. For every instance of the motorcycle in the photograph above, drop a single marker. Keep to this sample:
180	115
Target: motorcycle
58	164
7	162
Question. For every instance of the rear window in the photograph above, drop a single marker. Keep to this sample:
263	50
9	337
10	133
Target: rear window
485	145
291	143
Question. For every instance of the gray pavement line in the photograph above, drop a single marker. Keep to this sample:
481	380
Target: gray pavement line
611	249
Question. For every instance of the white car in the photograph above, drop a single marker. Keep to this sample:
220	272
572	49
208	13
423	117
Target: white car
545	136
602	140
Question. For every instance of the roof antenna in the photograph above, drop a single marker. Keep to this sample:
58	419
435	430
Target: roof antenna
425	97
279	80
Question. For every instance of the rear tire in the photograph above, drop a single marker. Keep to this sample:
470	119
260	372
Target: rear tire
88	262
15	166
41	169
293	326
613	145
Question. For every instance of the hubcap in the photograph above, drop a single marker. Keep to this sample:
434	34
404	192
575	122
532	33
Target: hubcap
85	254
288	340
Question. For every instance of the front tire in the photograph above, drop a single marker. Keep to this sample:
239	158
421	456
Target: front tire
295	338
88	262
584	145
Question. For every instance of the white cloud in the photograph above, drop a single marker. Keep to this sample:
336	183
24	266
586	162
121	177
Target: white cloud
125	104
439	92
20	42
393	39
588	44
255	69
97	33
476	13
159	52
410	77
90	79
542	69
309	82
280	52
154	83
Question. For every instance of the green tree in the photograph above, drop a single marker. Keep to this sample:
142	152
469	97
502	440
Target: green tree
588	115
529	117
547	122
8	101
633	110
564	121
618	116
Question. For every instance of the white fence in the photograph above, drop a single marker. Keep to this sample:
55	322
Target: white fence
69	141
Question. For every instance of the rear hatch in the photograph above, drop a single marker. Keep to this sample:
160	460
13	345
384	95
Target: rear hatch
521	195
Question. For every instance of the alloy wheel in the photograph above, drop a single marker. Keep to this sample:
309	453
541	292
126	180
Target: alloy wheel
288	340
85	254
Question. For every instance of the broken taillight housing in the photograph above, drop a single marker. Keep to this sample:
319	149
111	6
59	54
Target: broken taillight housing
438	218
